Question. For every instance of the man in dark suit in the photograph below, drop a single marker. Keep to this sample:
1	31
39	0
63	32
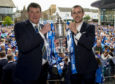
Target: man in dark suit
30	40
8	70
3	61
84	38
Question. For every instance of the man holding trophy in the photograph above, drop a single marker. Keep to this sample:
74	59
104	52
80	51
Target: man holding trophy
31	66
80	40
84	37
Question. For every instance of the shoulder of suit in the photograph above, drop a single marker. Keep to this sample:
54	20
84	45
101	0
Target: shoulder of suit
89	25
22	23
9	65
92	25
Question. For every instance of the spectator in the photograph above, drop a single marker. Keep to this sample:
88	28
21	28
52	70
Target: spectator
106	55
3	61
98	47
8	70
2	47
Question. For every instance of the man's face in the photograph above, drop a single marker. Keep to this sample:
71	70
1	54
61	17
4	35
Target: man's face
34	15
77	14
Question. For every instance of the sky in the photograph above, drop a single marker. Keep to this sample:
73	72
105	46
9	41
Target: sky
45	4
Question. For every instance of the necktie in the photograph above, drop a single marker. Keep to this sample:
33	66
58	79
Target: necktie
36	29
44	54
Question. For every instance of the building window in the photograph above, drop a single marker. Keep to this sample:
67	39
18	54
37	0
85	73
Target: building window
107	16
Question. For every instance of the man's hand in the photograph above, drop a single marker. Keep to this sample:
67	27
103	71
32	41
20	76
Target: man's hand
72	27
46	28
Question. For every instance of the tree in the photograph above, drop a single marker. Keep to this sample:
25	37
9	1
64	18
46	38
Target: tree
86	18
7	20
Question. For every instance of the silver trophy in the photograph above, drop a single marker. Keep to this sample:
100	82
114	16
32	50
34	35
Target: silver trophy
60	35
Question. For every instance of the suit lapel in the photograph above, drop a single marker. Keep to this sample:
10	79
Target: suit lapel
29	26
83	27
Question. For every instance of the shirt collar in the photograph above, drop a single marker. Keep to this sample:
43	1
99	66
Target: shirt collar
10	61
33	24
79	26
3	58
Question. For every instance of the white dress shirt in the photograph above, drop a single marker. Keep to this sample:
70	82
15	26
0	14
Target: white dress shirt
78	35
42	35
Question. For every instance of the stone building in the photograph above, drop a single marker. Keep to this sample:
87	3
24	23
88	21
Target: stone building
6	9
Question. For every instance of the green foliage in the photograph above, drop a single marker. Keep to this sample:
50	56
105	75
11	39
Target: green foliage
86	18
7	21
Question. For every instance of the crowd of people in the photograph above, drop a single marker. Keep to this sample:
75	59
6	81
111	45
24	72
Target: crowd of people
104	49
29	63
8	54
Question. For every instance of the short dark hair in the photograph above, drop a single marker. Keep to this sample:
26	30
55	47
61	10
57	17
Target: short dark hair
2	54
76	6
34	5
10	57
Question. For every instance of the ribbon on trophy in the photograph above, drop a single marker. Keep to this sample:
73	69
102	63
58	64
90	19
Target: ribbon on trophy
71	50
48	46
56	55
51	50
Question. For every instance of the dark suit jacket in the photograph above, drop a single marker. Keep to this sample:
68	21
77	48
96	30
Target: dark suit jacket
30	53
2	63
8	73
84	56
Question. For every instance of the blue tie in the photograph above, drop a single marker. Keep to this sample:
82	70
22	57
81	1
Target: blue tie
44	53
36	29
